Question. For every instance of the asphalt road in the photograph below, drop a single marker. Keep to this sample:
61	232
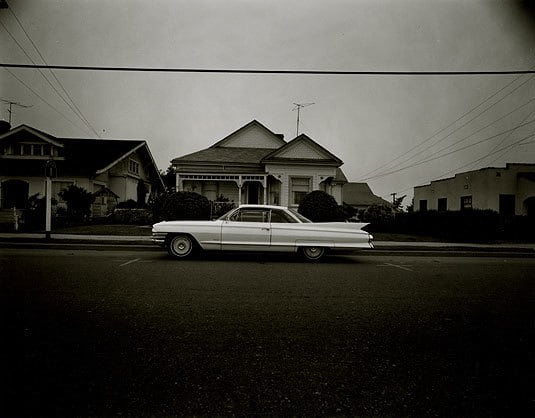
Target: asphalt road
136	333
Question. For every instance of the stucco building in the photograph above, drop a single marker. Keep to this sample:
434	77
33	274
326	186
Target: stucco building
509	190
256	165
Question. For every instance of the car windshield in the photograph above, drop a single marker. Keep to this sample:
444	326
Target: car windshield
224	216
299	216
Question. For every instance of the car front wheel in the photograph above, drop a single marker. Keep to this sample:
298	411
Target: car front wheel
180	246
313	253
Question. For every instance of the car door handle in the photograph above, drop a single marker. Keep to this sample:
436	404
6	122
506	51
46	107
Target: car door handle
265	229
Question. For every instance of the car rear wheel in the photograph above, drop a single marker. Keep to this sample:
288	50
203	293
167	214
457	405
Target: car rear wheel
180	246
313	253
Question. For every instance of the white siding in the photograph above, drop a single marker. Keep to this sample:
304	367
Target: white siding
318	174
302	150
253	137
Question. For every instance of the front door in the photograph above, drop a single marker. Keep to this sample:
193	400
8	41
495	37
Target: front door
248	229
253	193
14	194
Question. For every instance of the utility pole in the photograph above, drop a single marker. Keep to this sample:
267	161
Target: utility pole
298	106
393	198
11	103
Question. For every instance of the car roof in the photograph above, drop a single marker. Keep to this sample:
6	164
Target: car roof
249	205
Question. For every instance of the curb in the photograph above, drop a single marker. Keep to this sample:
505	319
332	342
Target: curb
144	243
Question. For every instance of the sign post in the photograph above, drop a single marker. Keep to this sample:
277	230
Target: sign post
50	171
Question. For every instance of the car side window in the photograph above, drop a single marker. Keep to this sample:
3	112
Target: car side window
250	215
278	216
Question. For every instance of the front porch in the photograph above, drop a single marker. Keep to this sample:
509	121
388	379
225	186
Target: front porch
237	188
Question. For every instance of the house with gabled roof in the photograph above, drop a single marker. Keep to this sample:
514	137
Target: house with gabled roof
360	196
255	165
114	170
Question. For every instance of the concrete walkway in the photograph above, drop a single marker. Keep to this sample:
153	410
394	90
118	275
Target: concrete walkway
6	238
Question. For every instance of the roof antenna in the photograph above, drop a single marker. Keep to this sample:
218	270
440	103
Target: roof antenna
11	103
298	106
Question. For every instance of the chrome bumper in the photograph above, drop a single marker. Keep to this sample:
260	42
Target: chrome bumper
158	238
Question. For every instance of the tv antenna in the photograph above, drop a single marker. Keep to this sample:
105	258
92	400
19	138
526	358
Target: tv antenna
298	106
11	103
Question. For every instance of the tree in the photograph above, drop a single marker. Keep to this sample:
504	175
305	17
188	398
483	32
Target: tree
397	203
169	178
319	206
78	201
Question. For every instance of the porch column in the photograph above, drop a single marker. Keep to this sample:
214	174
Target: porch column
265	189
240	184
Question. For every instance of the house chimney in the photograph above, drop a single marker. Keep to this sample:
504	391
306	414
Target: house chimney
5	126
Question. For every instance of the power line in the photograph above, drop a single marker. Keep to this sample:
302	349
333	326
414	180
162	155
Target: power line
76	109
507	148
450	125
39	96
257	71
453	152
469	136
42	75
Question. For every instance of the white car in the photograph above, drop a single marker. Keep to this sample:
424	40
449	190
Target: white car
261	228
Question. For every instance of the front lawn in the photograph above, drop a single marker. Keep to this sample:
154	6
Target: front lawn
125	230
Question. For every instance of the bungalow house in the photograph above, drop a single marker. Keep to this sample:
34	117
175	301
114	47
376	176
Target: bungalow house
256	165
114	170
509	190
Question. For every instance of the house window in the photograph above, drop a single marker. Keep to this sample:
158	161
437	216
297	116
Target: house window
133	167
442	204
466	202
37	150
26	149
299	188
423	205
507	204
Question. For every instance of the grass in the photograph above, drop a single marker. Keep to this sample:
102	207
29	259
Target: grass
125	230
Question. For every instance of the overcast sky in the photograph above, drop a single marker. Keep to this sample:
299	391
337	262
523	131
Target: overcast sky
367	121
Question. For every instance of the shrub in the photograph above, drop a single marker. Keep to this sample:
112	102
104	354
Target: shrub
132	216
128	204
180	206
35	213
220	206
319	206
380	216
78	202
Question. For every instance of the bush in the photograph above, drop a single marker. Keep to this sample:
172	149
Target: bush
220	206
380	216
319	206
35	213
78	201
180	206
132	216
466	225
128	204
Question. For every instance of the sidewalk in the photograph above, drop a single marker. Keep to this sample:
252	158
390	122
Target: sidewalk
7	238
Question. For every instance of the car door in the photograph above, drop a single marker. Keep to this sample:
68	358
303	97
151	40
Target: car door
247	229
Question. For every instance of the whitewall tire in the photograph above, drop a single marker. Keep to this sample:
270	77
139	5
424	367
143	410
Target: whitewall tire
181	246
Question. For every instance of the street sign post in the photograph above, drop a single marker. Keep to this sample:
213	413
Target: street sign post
50	171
